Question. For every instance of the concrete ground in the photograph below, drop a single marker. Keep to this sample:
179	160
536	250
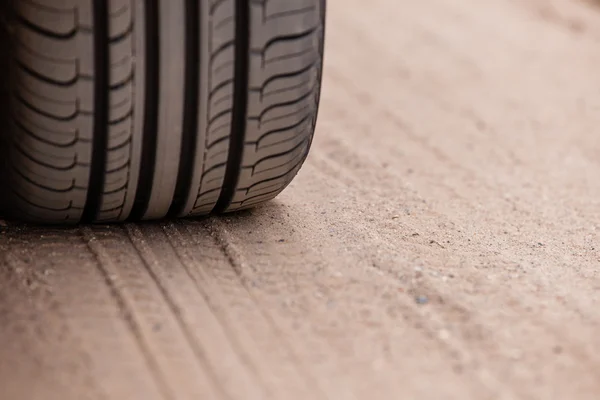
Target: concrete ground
441	242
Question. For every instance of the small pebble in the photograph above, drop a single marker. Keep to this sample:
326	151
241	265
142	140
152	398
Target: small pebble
421	299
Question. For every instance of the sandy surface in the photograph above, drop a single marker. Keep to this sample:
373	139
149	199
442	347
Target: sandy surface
440	243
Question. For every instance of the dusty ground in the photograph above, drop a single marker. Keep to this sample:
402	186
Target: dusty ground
440	243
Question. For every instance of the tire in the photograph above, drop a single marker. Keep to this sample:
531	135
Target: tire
141	109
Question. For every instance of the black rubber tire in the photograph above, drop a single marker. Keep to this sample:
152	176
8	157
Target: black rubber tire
141	109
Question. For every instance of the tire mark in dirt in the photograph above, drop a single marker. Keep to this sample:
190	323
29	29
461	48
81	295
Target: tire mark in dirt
173	363
211	338
62	287
241	267
224	282
403	307
36	339
344	306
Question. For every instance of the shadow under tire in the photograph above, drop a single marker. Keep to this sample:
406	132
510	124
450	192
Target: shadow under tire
140	109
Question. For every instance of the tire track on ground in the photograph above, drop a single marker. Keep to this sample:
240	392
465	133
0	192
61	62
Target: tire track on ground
226	284
25	332
69	313
212	339
180	374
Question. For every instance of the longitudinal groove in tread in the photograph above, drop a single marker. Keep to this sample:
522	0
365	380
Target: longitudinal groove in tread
282	86
150	107
284	80
171	106
190	117
101	117
215	103
240	102
129	109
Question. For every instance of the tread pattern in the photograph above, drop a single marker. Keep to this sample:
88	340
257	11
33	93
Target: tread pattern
117	195
51	107
102	129
216	104
52	110
284	79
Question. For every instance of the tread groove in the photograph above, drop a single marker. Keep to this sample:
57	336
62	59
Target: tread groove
48	188
285	38
190	111
31	158
46	79
240	104
37	137
27	200
150	129
47	114
101	105
276	155
283	76
279	130
45	32
273	178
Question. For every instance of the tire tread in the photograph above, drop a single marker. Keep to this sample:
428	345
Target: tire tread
242	140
